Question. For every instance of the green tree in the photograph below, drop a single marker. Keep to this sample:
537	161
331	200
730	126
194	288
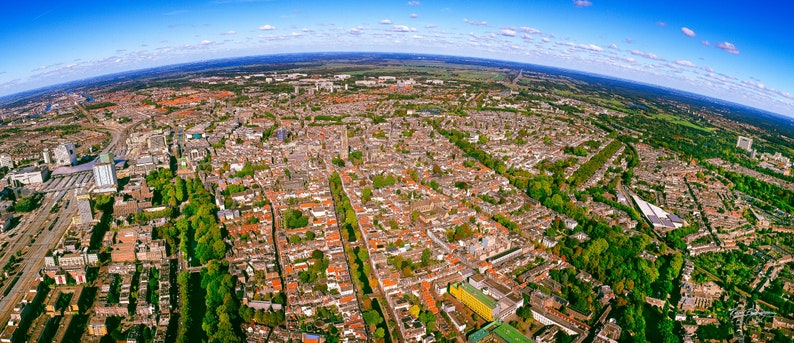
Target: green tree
103	202
366	194
380	333
380	181
27	204
372	318
426	257
295	219
666	330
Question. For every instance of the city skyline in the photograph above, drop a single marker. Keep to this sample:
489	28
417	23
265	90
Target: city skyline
726	51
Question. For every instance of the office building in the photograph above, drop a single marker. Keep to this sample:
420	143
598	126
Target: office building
485	306
29	175
105	174
84	208
46	154
6	161
745	143
65	154
281	134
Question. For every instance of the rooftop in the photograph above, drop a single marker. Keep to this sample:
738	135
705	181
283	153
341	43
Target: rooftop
488	301
501	330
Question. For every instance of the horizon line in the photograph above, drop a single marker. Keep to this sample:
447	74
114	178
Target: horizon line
86	82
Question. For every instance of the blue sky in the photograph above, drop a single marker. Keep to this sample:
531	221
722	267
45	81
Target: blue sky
736	51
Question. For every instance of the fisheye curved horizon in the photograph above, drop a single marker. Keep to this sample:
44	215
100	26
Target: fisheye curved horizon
731	51
395	171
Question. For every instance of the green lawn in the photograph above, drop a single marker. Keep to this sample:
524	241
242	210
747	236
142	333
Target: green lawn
680	121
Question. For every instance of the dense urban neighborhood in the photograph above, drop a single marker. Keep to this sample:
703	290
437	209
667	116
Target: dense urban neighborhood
390	201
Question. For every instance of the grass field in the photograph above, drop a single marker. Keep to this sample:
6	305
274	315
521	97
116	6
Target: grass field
680	121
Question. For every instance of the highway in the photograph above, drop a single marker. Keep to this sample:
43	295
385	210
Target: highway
118	132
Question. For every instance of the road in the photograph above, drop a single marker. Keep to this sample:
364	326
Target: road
117	131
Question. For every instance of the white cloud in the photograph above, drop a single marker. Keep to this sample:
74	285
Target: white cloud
591	47
267	27
785	94
431	26
613	46
645	54
705	43
402	28
356	31
582	3
529	30
687	32
385	22
545	39
205	42
414	3
474	22
229	33
754	84
414	15
686	63
661	23
507	32
728	47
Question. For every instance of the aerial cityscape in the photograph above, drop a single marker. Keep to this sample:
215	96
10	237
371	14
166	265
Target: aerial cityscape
424	193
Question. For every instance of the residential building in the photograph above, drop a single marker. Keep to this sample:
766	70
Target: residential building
157	143
744	143
96	326
343	148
